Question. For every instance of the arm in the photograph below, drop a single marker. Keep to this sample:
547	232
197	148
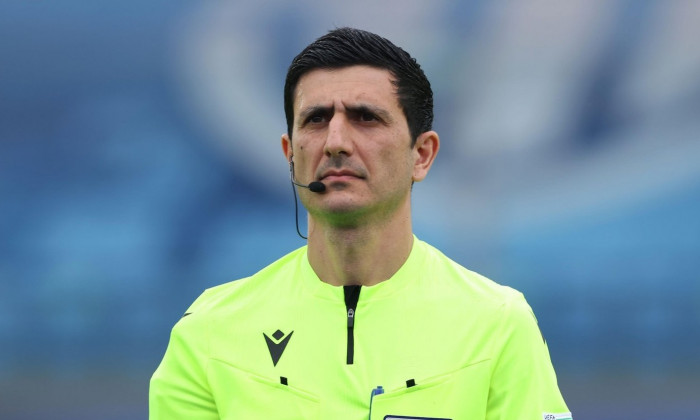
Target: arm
523	382
179	387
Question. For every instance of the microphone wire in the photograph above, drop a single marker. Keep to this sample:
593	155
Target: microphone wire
296	211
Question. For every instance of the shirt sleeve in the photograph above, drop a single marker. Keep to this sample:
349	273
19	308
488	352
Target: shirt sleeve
179	388
523	383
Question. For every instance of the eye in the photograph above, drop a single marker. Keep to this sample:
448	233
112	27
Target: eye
368	117
315	119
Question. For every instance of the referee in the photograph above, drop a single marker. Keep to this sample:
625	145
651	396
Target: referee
366	320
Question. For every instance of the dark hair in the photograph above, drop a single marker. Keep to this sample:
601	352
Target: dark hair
344	47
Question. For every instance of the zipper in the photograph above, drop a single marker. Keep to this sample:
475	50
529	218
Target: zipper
352	295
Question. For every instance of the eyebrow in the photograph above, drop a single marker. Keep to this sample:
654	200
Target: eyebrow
354	109
362	108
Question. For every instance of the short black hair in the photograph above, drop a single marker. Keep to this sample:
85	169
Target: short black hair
344	47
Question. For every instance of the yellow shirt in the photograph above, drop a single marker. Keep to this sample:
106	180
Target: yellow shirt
442	342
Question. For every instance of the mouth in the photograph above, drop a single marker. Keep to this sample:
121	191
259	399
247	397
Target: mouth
339	175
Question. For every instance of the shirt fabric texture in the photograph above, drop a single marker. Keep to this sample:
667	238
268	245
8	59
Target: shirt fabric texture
443	342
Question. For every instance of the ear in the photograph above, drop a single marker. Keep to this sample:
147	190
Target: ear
287	147
424	152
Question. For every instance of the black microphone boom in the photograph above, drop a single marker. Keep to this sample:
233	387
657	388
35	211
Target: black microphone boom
314	186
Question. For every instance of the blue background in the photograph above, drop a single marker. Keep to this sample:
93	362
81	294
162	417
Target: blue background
140	163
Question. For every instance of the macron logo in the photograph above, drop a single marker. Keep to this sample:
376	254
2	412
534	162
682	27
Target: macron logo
277	344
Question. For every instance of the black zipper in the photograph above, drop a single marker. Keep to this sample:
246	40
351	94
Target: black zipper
352	295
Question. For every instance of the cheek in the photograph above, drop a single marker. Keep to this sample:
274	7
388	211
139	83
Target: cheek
397	164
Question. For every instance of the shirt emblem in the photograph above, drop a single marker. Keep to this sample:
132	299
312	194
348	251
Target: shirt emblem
277	344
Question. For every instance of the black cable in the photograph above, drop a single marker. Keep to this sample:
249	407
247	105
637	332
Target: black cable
296	211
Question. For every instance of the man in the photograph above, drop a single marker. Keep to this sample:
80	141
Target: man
366	321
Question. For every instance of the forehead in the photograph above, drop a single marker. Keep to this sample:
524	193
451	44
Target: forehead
348	85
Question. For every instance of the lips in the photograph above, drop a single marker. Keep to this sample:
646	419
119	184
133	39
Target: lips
339	175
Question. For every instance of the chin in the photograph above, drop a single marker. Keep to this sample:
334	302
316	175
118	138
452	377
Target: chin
341	214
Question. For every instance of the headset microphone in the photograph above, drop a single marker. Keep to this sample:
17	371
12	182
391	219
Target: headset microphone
315	186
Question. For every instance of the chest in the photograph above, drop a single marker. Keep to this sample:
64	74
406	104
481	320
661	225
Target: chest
296	360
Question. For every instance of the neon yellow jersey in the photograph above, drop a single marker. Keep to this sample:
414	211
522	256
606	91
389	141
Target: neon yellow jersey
441	341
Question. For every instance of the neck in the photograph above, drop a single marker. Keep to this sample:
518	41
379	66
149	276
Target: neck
362	255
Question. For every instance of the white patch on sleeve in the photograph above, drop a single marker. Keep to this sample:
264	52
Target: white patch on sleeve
557	416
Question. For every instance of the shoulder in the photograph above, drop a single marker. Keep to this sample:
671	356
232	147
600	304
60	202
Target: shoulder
241	292
455	278
509	312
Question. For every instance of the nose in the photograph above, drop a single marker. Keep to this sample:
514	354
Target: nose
339	136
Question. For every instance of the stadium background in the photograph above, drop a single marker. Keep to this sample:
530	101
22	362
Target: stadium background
140	164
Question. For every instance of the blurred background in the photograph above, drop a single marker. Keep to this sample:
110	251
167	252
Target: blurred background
140	163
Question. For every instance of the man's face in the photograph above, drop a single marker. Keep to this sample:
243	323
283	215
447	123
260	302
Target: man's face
350	133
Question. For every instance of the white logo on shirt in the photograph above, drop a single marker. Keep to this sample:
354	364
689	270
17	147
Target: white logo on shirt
557	416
